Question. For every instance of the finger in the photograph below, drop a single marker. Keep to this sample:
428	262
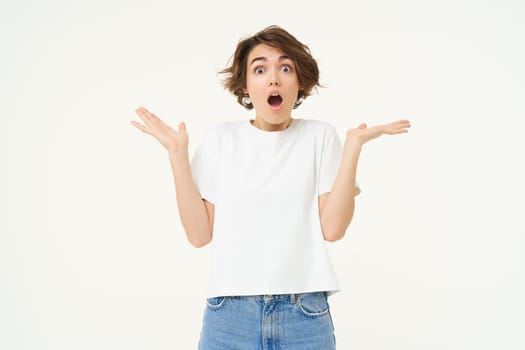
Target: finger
399	122
182	127
148	116
396	131
152	116
396	126
140	127
362	126
140	110
143	115
403	123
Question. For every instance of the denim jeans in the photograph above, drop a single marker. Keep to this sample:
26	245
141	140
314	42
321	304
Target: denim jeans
268	322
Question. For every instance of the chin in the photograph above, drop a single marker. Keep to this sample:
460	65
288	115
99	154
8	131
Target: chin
275	116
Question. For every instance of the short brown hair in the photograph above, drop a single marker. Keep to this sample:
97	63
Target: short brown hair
274	36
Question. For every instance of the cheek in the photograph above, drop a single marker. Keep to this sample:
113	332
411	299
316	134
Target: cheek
293	79
253	84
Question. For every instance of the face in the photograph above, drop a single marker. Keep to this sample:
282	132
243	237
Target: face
272	84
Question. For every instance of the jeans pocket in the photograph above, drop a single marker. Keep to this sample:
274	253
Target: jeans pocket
313	304
215	303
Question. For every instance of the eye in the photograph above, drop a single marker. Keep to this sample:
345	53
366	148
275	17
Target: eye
258	70
286	68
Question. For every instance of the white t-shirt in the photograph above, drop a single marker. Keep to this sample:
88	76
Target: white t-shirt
267	236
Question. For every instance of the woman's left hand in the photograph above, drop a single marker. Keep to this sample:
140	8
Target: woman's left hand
362	134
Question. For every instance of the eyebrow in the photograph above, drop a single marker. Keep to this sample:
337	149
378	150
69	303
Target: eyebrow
262	58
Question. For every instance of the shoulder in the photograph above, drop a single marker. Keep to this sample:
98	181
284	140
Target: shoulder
221	129
225	127
222	134
318	127
317	124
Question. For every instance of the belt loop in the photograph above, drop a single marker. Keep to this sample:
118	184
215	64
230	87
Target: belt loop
293	298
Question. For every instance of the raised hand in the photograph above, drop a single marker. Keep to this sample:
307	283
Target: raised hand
173	141
363	134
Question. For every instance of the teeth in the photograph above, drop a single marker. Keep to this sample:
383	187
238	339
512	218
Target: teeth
275	94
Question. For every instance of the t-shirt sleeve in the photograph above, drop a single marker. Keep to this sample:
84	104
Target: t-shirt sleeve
331	154
204	166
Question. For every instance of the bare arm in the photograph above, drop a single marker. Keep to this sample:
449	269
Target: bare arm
195	213
336	208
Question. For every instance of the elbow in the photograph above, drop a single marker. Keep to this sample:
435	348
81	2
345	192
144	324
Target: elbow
334	231
199	243
199	239
333	236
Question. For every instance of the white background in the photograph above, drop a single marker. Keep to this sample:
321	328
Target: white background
92	252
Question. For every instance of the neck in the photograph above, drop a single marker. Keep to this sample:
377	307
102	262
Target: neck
271	127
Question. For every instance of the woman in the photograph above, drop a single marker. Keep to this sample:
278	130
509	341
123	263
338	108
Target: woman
268	192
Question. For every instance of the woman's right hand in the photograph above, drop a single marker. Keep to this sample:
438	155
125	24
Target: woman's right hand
173	141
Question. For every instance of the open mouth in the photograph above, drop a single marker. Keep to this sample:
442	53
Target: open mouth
275	100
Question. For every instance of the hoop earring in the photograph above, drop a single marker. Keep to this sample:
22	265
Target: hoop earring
246	100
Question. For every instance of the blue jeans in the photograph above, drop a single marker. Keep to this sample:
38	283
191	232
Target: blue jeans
268	322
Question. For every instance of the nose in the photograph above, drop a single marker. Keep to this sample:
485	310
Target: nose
273	80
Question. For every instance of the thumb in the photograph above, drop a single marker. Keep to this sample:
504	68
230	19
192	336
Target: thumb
182	127
362	126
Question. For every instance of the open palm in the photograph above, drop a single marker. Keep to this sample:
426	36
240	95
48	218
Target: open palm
363	133
172	140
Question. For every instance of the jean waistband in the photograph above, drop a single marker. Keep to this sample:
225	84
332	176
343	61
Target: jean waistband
293	297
